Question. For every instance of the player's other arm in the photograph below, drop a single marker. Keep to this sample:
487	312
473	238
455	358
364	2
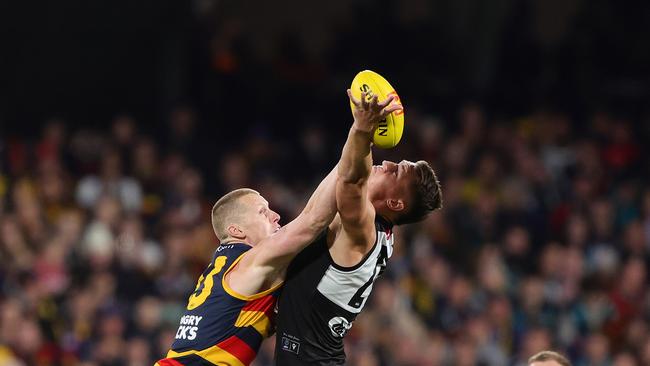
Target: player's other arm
356	211
272	255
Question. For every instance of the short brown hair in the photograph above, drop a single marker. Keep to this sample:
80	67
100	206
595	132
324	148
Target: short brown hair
549	356
427	196
228	209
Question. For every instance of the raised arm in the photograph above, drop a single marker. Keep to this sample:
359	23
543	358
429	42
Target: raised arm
278	250
265	264
355	210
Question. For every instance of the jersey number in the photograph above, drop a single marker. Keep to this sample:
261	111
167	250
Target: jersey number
204	286
357	300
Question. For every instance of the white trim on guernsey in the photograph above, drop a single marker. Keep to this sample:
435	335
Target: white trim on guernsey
341	286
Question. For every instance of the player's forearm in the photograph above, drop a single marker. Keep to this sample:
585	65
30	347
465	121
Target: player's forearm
275	252
321	207
356	158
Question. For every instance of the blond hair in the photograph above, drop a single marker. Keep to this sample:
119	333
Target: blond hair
549	356
227	210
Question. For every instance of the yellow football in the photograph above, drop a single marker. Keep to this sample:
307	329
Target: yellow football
390	130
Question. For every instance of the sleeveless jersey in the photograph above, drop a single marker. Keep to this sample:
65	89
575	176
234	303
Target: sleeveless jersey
220	326
320	300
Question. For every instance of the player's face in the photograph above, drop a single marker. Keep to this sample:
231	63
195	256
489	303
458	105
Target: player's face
261	222
392	180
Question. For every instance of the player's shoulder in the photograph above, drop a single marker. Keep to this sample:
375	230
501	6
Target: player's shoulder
231	247
350	246
231	252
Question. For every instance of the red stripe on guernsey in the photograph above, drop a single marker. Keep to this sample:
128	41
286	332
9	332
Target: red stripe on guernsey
264	304
239	349
169	362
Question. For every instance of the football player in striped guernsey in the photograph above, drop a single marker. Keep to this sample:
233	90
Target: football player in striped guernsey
328	283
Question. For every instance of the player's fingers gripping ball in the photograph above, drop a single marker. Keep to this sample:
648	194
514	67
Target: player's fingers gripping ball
389	131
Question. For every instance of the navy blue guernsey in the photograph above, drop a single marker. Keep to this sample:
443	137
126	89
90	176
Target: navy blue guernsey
220	326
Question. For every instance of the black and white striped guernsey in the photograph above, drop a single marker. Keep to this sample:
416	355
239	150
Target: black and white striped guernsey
320	300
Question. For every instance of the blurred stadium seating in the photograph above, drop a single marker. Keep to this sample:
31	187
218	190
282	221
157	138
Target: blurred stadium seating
533	113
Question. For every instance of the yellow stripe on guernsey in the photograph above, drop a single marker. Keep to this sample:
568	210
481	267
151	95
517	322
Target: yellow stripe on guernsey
214	354
239	296
256	319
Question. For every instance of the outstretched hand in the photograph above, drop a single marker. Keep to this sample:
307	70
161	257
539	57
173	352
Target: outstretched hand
368	113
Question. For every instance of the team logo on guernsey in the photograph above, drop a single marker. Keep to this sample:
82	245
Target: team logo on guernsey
290	345
339	326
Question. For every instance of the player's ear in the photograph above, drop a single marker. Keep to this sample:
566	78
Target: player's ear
235	231
395	204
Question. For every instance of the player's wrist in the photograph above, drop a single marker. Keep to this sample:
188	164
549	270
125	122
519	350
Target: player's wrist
361	129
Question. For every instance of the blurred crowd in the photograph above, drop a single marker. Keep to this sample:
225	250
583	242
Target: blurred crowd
543	241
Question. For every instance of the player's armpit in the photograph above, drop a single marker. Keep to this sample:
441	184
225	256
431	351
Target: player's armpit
353	241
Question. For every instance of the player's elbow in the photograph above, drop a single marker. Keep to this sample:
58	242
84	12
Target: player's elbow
319	220
313	222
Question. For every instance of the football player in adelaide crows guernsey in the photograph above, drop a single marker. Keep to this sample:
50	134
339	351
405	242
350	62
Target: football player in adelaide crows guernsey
232	308
328	283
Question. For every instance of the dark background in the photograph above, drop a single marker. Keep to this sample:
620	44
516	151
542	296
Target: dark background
87	61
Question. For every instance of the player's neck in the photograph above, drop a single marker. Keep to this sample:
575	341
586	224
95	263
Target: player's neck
382	210
386	219
233	240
